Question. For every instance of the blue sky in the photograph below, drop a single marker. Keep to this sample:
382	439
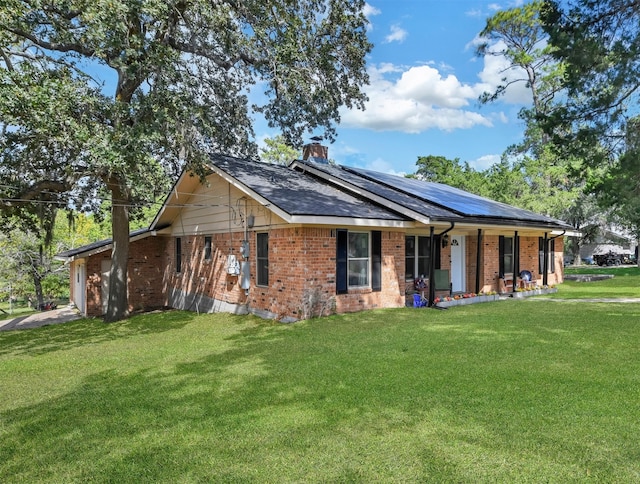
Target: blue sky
425	80
425	83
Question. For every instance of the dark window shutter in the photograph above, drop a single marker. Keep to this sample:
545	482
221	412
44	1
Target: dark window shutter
341	261
516	254
376	260
501	255
178	254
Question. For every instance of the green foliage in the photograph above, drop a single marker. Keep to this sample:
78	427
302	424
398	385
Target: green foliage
517	35
25	263
278	152
473	394
183	73
451	172
599	44
532	174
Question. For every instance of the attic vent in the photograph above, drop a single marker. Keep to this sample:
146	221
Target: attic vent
315	152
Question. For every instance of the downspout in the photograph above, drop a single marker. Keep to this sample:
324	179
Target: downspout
478	258
432	264
516	260
245	269
432	267
453	224
545	259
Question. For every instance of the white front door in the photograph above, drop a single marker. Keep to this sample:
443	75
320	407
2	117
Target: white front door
458	266
80	287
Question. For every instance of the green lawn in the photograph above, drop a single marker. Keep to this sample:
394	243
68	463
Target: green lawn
511	391
625	283
13	311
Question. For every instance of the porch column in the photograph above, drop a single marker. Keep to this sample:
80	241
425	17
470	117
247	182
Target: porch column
545	259
478	260
432	267
516	259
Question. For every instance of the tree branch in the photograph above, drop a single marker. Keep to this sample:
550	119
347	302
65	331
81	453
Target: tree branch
57	47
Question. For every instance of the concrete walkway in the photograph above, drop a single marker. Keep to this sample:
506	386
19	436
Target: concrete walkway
635	300
42	318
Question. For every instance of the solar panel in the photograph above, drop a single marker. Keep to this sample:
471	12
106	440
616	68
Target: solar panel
460	201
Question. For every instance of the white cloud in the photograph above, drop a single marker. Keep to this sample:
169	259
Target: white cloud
485	162
398	34
474	13
383	166
497	70
370	10
425	84
418	100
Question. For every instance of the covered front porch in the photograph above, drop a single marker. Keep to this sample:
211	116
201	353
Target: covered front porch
470	262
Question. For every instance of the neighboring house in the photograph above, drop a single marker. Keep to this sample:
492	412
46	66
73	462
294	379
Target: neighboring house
613	240
291	242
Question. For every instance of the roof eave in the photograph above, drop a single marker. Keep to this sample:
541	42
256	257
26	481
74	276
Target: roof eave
98	247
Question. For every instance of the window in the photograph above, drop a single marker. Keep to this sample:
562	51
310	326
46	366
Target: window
207	248
178	254
358	259
551	257
417	252
262	273
506	255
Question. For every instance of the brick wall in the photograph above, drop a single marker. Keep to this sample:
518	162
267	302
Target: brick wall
529	248
302	273
145	285
302	268
208	279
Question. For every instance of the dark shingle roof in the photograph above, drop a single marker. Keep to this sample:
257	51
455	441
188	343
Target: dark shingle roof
420	206
97	245
298	193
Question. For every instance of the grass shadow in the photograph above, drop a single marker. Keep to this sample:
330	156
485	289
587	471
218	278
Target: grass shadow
58	337
372	397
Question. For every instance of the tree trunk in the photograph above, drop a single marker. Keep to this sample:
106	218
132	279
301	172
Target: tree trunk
37	284
118	301
575	252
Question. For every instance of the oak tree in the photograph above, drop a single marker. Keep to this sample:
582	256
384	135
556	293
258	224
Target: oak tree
187	81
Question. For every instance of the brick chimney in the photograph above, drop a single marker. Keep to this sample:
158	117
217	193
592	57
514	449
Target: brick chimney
315	152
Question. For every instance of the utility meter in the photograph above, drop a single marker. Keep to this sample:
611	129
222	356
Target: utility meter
244	249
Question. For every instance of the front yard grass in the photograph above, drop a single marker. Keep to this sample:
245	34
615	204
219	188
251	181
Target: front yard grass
624	284
511	391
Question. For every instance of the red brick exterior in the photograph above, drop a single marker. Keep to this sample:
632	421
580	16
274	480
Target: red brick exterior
302	273
145	285
302	265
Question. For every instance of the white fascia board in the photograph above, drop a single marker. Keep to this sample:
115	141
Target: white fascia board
366	194
167	198
519	228
568	233
358	222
